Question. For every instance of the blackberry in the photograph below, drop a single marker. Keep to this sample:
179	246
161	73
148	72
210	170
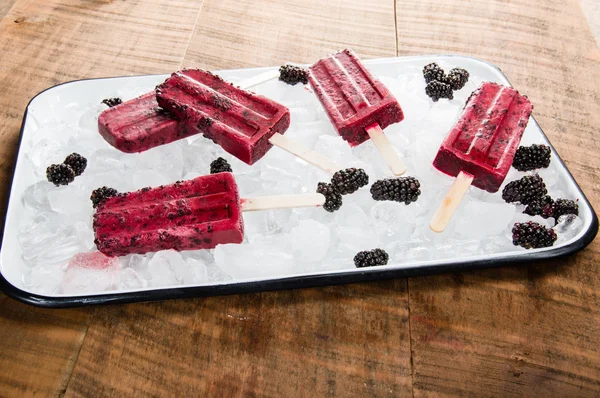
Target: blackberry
371	258
565	206
433	72
543	206
293	75
220	165
532	157
526	190
60	174
101	194
402	189
457	78
112	101
436	90
348	181
532	235
333	199
77	162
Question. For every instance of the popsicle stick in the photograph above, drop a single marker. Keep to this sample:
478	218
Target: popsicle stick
386	149
304	153
258	79
282	201
451	201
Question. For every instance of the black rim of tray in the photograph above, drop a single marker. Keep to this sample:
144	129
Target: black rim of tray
294	282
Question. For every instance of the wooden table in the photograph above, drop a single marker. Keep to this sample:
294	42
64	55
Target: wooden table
517	331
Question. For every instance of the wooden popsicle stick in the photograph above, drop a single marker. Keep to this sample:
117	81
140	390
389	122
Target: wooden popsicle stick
258	79
386	149
304	153
282	201
451	201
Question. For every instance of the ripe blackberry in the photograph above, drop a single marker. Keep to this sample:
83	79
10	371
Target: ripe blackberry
526	190
348	181
433	72
565	206
101	194
371	258
333	199
532	157
532	235
220	165
543	206
77	162
402	189
293	75
60	174
436	90
112	101
457	78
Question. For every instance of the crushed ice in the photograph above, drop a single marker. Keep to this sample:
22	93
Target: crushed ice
57	239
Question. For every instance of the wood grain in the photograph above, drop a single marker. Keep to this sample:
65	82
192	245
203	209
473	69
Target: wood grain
337	341
527	331
246	33
347	340
45	43
39	348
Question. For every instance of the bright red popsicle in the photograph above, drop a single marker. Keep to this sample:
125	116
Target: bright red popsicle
189	215
358	105
139	124
480	148
239	121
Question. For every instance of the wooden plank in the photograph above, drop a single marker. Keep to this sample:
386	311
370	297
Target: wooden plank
5	7
527	331
38	348
347	340
45	43
246	33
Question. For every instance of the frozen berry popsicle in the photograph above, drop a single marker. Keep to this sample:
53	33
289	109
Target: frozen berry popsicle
140	124
189	215
480	148
239	121
244	124
358	105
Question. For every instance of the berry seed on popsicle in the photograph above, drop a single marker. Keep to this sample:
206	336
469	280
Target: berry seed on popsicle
480	148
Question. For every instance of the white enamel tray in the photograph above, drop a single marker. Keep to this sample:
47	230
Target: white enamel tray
62	102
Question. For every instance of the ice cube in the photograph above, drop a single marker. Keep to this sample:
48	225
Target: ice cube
74	203
351	215
198	269
165	159
310	241
89	119
410	251
131	280
567	227
43	278
394	221
139	263
149	178
483	219
35	196
47	240
168	268
45	153
90	273
335	148
267	258
357	239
